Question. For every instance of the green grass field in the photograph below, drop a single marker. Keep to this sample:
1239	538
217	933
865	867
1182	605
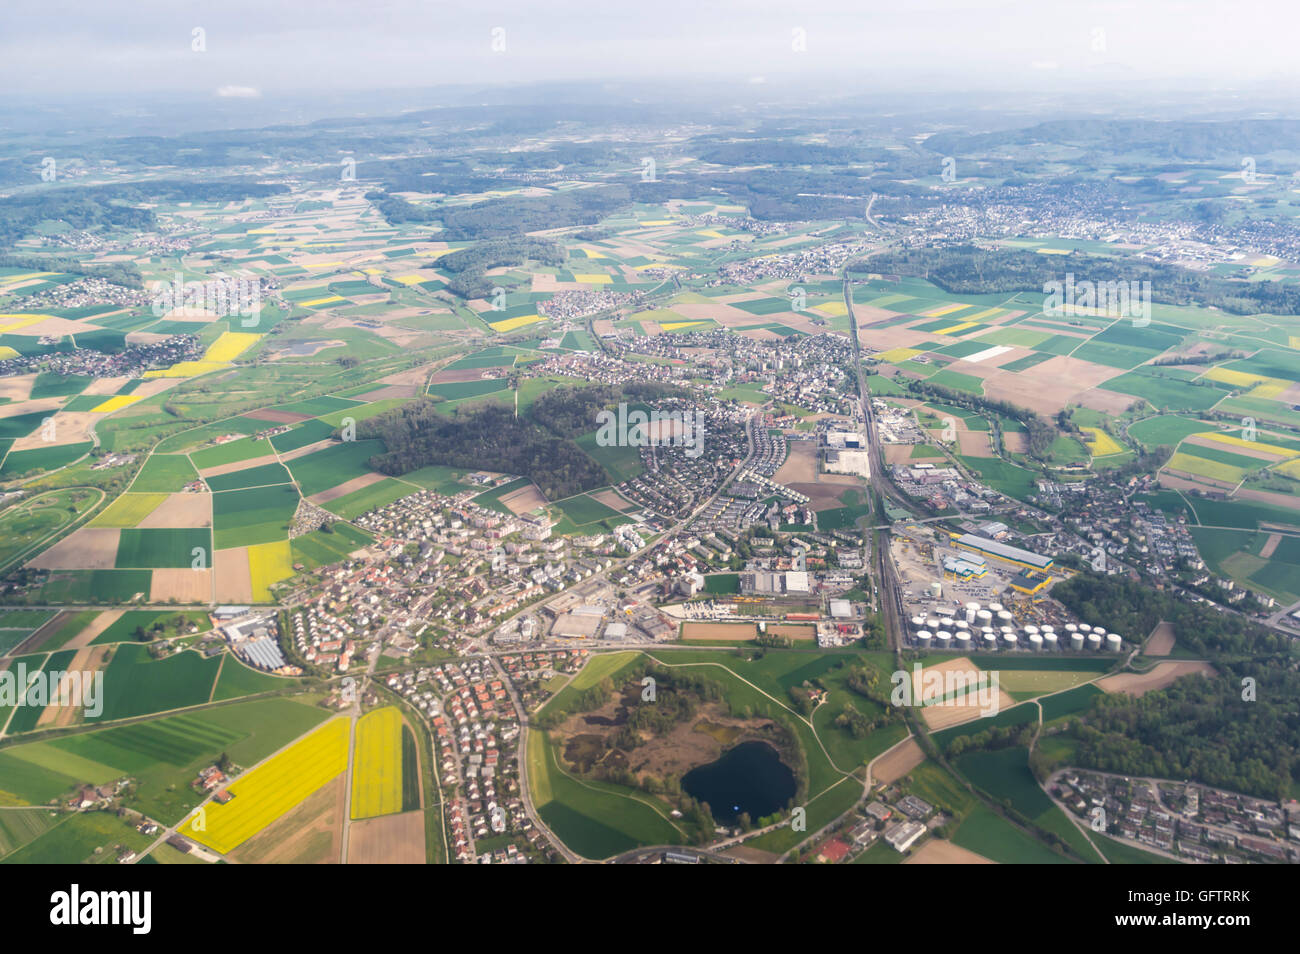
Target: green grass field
334	465
245	517
160	548
164	473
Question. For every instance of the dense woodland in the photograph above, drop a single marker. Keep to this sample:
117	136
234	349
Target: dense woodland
489	437
1239	729
1202	728
1228	140
1135	609
469	265
969	270
91	207
538	445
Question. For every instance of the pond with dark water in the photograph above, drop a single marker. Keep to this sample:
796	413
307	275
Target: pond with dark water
749	778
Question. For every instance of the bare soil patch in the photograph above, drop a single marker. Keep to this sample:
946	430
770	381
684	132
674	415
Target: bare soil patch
180	510
183	584
611	498
1235	449
88	660
279	417
342	490
897	762
390	392
796	631
711	631
388	840
1161	641
232	582
1138	684
238	465
950	711
825	494
90	548
17	388
800	464
105	387
307	449
97	626
975	443
937	851
69	427
524	500
310	834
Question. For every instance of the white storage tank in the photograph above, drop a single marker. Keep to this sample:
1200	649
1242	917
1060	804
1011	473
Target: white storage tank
1085	628
918	624
1076	641
1071	627
984	617
962	642
947	623
923	639
944	638
936	589
932	623
971	610
1031	629
989	639
1094	642
1050	642
995	607
1010	640
1113	642
1004	616
962	625
1035	642
1047	628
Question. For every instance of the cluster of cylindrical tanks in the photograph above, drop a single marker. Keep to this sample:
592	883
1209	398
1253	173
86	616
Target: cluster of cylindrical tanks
991	629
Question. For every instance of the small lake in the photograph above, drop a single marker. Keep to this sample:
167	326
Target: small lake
750	778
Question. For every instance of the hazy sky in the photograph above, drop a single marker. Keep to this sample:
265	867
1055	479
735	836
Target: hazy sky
272	47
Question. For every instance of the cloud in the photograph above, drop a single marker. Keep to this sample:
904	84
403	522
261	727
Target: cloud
239	92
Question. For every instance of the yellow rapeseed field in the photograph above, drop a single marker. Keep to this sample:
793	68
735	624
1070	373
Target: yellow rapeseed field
377	765
115	403
1102	444
943	310
510	324
230	345
273	788
898	355
128	510
186	369
1260	446
269	563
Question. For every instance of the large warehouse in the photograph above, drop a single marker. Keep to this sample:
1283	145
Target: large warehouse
1001	551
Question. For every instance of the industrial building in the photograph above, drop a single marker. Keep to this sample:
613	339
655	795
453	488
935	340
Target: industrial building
582	623
1030	582
971	567
903	835
765	583
1002	551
